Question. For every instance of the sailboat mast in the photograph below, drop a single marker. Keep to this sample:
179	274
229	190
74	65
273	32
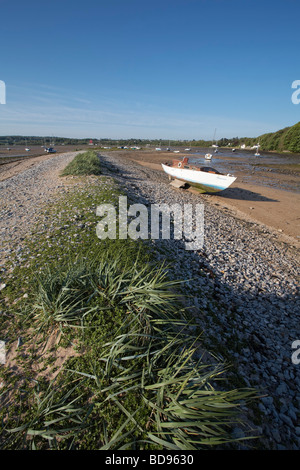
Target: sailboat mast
214	136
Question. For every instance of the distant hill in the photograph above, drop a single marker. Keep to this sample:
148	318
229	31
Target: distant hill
284	140
287	139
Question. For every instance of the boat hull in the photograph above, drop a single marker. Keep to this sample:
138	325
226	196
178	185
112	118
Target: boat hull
206	182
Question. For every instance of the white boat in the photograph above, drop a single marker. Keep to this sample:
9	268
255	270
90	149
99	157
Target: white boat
204	178
50	150
257	154
214	145
208	156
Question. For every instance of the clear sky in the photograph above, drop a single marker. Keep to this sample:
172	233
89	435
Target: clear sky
173	69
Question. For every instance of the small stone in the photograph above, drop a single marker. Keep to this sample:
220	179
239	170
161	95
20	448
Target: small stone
286	419
238	433
281	389
276	435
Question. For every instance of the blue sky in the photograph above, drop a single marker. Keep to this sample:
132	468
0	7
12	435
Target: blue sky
173	69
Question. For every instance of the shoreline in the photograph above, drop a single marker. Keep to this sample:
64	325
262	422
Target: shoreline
272	208
275	209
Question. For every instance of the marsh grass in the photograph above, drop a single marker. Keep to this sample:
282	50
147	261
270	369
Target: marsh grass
55	415
62	296
155	362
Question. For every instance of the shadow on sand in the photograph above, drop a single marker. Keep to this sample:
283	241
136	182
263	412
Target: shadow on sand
243	195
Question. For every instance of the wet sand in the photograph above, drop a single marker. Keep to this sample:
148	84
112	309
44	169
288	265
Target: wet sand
248	199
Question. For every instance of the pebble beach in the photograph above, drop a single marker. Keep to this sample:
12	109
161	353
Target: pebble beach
242	285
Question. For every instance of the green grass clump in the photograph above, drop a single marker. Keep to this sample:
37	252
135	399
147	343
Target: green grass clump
87	163
140	381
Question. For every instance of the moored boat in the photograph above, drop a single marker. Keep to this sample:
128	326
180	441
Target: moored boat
206	179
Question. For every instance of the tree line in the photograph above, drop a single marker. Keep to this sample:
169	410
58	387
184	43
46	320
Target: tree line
287	139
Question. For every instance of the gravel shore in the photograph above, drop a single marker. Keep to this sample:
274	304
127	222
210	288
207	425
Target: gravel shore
242	285
244	290
23	197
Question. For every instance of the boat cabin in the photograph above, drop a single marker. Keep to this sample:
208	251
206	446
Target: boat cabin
184	164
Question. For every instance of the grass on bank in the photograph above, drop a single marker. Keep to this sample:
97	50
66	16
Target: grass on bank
132	376
86	163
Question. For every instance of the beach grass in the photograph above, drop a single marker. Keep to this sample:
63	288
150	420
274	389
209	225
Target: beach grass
109	357
86	163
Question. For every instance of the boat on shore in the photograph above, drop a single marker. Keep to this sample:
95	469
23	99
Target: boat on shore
206	179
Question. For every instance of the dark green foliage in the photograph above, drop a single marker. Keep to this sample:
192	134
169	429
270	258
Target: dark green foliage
287	139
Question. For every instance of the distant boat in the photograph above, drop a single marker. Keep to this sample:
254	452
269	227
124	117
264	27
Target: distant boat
204	178
208	156
50	150
27	149
214	145
233	150
176	151
257	154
